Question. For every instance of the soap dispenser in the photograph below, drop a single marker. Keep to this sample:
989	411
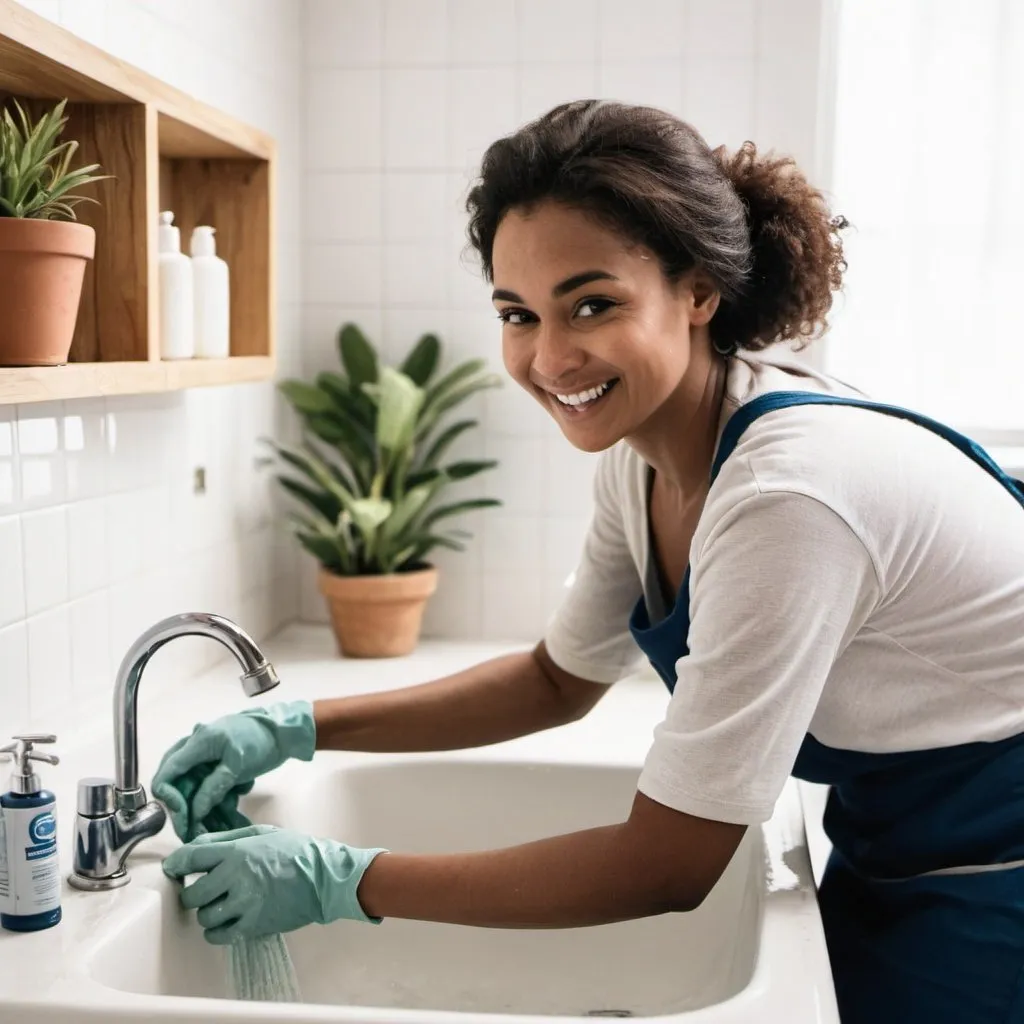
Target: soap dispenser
176	293
29	862
212	296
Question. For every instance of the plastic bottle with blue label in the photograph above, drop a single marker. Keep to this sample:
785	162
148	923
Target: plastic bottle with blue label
30	881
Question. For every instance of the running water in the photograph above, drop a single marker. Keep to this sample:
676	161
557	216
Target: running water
261	969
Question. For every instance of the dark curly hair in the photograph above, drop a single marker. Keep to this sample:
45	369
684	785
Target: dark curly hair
751	221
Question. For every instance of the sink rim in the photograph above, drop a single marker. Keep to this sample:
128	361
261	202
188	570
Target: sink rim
43	972
780	975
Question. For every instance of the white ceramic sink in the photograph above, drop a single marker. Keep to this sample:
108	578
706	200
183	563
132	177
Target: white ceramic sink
656	966
754	951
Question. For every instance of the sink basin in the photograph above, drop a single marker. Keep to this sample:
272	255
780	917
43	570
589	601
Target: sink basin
660	965
753	952
696	964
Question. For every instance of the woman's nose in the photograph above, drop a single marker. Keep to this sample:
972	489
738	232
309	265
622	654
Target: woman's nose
554	355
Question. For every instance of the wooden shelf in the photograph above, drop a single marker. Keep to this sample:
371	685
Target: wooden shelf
165	150
89	380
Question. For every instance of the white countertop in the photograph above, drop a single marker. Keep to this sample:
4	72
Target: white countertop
619	730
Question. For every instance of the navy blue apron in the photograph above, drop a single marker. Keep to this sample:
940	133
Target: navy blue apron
911	938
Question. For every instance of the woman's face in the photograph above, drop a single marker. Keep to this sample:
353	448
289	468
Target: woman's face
592	329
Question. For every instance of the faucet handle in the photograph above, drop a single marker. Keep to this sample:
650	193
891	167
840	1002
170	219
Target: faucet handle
95	797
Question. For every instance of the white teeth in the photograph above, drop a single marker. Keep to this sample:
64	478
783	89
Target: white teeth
582	397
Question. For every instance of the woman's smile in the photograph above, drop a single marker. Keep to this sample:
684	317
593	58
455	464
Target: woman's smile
576	405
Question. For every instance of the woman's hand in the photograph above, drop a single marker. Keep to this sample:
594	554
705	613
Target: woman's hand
262	880
202	776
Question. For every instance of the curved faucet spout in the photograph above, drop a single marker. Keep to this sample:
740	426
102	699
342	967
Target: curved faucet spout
113	815
258	676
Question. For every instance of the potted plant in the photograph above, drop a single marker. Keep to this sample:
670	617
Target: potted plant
43	251
371	479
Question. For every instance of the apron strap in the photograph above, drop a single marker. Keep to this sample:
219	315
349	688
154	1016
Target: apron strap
773	400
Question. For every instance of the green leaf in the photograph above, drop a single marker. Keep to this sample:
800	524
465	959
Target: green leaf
333	384
398	404
326	553
420	364
444	511
427	544
357	356
36	179
450	379
399	471
347	438
406	510
367	516
355	406
320	501
327	428
353	475
368	513
468	468
422	477
295	459
335	542
452	395
317	471
403	557
305	397
444	441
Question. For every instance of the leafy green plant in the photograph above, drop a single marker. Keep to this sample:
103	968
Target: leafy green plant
36	180
370	466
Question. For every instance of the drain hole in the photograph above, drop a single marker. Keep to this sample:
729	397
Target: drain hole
608	1013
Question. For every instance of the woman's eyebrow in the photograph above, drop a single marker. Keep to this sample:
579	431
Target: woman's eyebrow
570	284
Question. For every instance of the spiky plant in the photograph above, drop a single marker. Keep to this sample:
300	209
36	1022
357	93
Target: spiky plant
372	454
36	179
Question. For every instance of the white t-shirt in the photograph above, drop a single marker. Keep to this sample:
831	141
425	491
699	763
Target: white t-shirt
852	575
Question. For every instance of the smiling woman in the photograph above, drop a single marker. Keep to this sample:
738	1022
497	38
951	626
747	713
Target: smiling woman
676	235
829	588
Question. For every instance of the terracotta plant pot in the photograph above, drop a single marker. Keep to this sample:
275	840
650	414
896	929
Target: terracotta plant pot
378	616
42	265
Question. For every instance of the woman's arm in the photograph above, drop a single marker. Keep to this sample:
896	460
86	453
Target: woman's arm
657	861
496	700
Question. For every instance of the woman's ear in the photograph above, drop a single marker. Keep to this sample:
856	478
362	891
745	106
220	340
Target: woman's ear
704	299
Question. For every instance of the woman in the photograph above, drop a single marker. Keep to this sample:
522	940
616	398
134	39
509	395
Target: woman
829	588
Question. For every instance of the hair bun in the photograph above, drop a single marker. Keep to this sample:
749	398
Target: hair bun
797	254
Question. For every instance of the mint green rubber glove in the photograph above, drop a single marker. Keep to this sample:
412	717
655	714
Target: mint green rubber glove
262	880
201	777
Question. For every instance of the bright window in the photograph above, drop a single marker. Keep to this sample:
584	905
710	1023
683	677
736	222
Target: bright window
928	165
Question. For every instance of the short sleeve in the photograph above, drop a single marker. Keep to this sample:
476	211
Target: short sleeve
589	635
779	588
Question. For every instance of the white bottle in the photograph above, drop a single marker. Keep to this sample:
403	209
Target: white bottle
176	303
212	297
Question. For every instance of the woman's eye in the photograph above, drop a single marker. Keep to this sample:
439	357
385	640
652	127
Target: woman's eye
513	316
598	305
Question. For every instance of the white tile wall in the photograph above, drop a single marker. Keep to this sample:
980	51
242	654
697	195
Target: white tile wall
409	93
12	589
14	677
44	538
100	531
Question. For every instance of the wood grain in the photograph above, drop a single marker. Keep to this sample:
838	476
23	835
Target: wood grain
181	138
165	150
154	189
113	316
39	58
85	380
234	197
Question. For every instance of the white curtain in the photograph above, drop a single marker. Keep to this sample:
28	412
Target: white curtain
928	165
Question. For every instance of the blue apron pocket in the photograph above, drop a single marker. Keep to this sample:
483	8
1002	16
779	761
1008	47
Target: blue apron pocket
946	949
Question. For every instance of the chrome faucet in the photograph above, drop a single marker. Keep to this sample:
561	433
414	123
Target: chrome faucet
114	814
